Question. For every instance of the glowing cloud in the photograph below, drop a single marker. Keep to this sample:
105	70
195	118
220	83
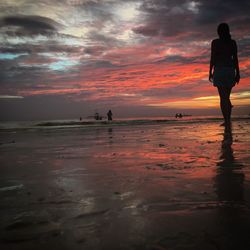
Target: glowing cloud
150	54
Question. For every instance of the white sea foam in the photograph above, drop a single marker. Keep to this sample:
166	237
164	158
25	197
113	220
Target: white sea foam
10	188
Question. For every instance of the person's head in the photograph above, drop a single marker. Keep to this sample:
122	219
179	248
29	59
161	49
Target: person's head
224	31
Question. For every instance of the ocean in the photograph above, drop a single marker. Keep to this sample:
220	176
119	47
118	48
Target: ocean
87	123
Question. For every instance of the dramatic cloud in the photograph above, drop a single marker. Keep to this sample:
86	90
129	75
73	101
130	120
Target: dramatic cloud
145	55
30	22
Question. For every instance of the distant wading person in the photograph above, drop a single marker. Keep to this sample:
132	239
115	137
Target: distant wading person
109	114
224	69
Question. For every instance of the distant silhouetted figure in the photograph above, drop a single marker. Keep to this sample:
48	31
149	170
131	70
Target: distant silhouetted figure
178	115
80	118
97	117
224	69
109	114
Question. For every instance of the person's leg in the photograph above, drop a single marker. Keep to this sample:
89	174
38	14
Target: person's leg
229	104
222	101
225	103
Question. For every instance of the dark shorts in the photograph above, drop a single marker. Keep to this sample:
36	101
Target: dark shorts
224	76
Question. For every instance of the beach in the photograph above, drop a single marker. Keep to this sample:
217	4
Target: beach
179	185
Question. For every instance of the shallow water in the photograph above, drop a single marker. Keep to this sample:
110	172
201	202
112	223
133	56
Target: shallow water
91	123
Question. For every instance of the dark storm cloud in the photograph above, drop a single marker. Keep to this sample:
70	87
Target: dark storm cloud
148	30
173	18
41	48
18	77
16	49
29	22
244	47
165	18
217	10
30	25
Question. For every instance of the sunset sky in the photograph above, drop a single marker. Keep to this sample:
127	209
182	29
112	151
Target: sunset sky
70	58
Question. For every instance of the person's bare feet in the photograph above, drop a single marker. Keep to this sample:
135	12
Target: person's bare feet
225	124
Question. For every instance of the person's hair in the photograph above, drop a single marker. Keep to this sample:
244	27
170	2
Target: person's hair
224	31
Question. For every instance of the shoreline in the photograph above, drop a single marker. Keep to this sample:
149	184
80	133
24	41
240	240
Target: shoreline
70	124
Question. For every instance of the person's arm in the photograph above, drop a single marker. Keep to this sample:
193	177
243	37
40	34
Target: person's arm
236	63
212	58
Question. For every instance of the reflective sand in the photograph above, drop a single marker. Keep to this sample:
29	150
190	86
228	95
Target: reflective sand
179	186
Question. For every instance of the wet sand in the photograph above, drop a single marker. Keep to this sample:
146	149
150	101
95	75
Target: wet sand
170	186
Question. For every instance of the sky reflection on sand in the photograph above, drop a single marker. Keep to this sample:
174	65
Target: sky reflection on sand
229	184
154	186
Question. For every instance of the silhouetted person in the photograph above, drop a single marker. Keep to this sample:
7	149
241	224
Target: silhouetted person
97	117
178	115
224	68
109	114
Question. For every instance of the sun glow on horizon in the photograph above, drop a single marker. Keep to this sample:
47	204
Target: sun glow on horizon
238	99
